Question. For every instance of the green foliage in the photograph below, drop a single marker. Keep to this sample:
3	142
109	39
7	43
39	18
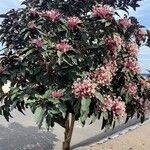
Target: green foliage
39	115
84	110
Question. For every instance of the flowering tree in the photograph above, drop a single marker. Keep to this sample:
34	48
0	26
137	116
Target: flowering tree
72	59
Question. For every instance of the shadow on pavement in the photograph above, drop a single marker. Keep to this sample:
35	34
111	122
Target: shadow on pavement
17	137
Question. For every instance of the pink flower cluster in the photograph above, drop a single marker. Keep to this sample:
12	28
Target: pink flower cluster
144	82
105	11
132	49
112	66
53	15
106	104
103	75
125	22
141	34
63	46
33	12
73	21
83	87
113	43
37	42
114	104
131	88
131	64
118	108
57	94
11	46
31	25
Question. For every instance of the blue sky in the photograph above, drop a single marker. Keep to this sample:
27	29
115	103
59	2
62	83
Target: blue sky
6	5
142	14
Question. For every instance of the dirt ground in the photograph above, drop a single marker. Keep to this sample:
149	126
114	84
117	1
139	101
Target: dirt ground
138	139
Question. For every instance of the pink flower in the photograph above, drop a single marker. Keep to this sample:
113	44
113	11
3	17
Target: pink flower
131	88
132	49
118	108
117	39
37	42
73	21
125	22
131	64
31	25
112	66
113	104
11	46
144	82
33	12
57	94
83	87
103	75
103	11
113	43
141	32
54	15
63	46
106	104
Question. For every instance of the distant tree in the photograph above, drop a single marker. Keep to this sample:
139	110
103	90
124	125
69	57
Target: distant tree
68	60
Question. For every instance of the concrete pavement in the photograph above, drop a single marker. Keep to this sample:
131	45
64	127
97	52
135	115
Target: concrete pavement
21	133
137	139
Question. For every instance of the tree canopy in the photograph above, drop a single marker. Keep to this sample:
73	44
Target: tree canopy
72	56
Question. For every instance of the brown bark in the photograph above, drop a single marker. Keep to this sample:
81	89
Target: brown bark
69	126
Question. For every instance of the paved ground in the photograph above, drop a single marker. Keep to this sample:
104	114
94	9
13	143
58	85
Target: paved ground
21	133
138	139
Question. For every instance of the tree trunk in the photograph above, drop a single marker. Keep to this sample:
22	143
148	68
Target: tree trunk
69	126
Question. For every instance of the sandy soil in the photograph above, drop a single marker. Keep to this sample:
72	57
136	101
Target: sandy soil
138	139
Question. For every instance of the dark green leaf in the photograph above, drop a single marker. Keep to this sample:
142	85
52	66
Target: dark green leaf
84	110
